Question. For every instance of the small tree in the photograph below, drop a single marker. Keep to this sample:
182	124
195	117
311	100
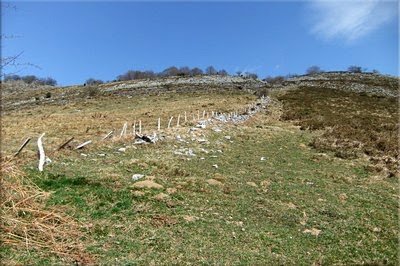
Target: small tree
11	78
29	79
210	70
92	81
354	69
50	81
251	75
170	71
223	72
196	71
184	71
313	70
375	71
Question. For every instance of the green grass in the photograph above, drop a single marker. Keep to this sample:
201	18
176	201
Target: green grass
235	223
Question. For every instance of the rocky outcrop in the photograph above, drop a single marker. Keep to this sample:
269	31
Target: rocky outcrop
373	84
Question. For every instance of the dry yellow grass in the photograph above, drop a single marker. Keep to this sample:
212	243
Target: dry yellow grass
28	225
92	119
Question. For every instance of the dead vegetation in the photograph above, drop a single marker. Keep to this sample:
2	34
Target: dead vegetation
27	225
354	124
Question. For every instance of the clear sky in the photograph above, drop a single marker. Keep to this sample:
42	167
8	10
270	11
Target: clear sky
73	41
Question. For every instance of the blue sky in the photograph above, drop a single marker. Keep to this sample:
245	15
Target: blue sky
72	41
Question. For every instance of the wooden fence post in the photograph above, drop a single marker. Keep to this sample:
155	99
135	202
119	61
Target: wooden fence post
22	146
68	141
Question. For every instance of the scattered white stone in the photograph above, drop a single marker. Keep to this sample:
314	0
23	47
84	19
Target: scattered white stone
204	150
139	141
101	154
83	154
219	151
217	129
136	177
262	159
47	160
228	137
202	158
202	140
215	166
122	149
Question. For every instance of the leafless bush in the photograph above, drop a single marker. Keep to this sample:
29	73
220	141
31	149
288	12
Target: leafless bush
314	70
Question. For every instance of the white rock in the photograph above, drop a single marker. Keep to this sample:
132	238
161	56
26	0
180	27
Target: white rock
217	129
122	149
136	177
228	137
215	166
47	161
202	140
262	159
83	154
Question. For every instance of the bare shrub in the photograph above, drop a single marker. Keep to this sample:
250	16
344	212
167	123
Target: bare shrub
314	70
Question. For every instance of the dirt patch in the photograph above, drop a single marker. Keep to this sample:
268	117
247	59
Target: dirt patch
147	184
214	182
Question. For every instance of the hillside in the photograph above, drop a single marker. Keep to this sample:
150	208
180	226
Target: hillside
306	175
19	94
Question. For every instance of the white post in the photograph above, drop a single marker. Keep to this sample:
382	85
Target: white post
41	152
179	118
159	124
134	128
193	117
108	135
140	126
169	122
198	114
185	117
212	113
83	144
123	131
204	113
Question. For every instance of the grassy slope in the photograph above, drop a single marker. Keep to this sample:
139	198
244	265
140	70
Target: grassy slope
296	189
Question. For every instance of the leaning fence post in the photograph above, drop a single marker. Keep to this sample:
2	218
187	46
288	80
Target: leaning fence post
134	128
198	114
109	134
123	131
22	146
204	113
185	117
83	145
140	126
66	143
159	124
41	152
169	122
179	118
